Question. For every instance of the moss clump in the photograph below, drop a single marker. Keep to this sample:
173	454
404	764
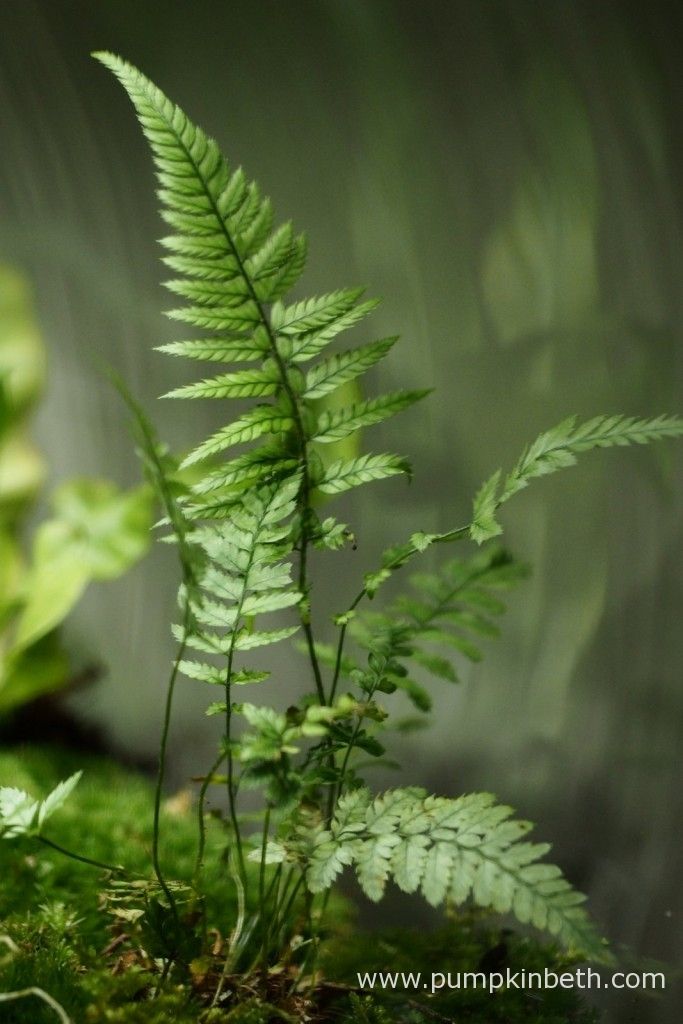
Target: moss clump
69	945
466	943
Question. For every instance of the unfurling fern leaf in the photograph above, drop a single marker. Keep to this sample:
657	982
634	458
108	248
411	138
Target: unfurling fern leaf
451	850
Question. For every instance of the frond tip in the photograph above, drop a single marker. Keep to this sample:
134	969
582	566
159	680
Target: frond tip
557	449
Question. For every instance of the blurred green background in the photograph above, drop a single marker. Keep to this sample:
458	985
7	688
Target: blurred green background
509	177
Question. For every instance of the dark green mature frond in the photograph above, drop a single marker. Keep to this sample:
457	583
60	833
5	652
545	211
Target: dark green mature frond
449	609
557	449
451	850
234	270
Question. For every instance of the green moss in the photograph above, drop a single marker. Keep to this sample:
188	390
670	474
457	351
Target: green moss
466	943
51	908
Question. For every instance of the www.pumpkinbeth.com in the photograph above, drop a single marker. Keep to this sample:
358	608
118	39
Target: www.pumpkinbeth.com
500	981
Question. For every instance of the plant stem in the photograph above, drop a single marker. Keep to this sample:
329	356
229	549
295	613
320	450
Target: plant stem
232	801
400	560
305	611
201	823
286	907
248	931
236	933
162	758
39	993
262	889
116	869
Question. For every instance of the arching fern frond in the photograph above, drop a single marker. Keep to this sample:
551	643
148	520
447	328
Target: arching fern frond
447	611
557	449
450	850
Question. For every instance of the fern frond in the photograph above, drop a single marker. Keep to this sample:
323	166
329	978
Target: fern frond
314	314
334	426
447	608
218	350
306	346
244	384
343	475
452	850
256	465
233	271
329	374
247	574
248	640
557	449
262	419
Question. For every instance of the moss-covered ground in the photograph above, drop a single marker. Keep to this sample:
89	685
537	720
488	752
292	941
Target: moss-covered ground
60	935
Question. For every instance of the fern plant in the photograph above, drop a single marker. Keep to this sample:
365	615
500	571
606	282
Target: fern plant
244	528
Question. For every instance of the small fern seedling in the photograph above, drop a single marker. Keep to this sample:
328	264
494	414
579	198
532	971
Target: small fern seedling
244	527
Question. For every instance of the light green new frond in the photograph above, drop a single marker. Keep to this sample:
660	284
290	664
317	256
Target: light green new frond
334	426
21	815
343	475
557	449
453	850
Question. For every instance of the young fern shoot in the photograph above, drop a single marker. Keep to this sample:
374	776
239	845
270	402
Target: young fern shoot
250	520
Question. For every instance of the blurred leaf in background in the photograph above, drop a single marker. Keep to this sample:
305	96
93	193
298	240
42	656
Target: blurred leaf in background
97	531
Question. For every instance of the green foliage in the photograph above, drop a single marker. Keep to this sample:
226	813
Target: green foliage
557	449
235	270
450	850
446	609
21	815
62	934
247	520
96	532
243	525
246	573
